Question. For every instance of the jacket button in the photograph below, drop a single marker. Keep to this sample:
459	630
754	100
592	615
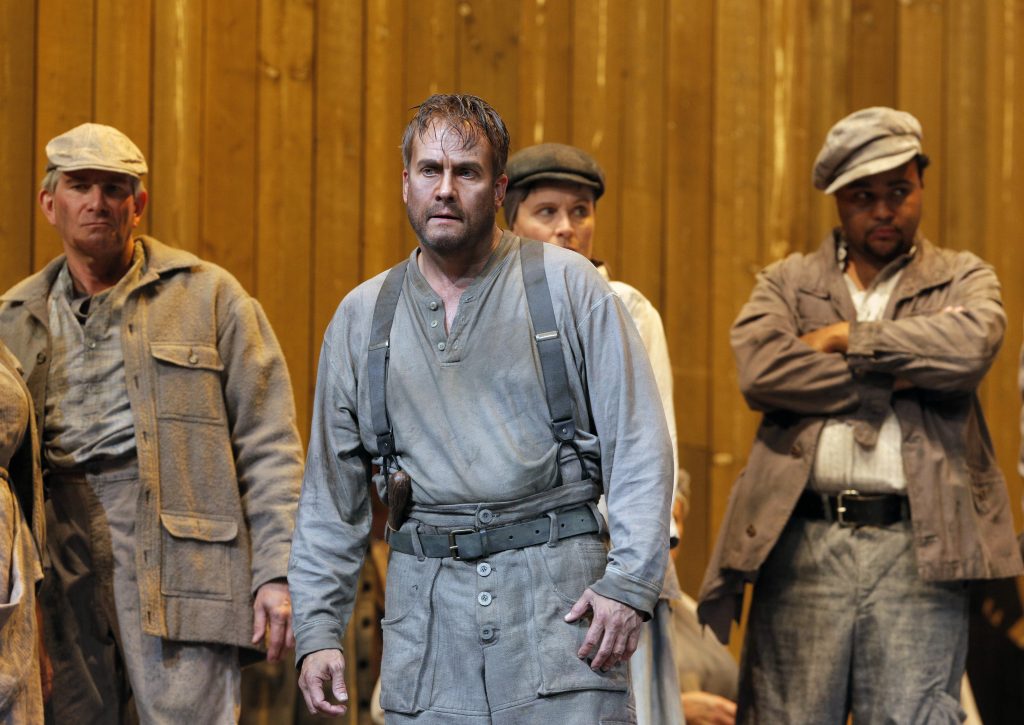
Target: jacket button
796	451
193	359
751	531
40	358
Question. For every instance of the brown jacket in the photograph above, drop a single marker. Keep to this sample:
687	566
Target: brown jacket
963	528
219	455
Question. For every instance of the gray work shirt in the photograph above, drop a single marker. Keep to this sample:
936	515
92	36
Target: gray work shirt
87	415
471	424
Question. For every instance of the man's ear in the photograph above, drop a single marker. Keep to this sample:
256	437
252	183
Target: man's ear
500	187
405	186
46	204
140	204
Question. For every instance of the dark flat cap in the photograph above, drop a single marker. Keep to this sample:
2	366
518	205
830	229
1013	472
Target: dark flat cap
549	162
554	162
866	142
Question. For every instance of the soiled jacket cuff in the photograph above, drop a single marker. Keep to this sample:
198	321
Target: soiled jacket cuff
863	339
270	566
641	595
318	635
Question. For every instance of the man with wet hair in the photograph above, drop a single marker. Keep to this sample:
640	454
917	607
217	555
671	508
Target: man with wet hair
871	493
498	385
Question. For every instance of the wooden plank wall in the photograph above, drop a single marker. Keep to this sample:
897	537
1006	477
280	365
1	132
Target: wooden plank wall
273	127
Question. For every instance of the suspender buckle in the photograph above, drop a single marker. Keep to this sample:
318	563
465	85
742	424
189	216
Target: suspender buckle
549	335
564	430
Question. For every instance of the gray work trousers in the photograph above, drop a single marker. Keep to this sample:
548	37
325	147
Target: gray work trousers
841	623
106	670
485	642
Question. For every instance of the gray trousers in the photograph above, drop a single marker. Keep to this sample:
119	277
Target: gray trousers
841	623
484	642
106	670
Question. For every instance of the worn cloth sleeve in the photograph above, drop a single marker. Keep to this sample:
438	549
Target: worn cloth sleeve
264	437
949	350
333	525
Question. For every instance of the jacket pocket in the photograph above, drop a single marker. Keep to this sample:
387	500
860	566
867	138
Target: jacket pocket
188	381
984	490
406	626
559	575
814	309
196	555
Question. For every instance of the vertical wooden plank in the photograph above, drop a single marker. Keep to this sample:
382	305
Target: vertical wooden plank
829	72
431	57
17	153
338	161
963	214
488	58
1010	257
597	79
176	147
123	52
921	91
284	227
64	90
430	64
1004	183
385	223
789	148
872	50
229	167
687	271
642	231
545	72
737	226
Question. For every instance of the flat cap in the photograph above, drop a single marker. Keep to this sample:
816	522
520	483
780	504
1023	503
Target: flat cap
554	162
95	146
866	142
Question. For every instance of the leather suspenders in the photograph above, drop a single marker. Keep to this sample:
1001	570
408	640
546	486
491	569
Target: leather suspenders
546	337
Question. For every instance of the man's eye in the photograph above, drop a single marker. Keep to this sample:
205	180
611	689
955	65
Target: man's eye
428	171
581	212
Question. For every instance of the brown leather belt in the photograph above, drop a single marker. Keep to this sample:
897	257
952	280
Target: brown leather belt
852	508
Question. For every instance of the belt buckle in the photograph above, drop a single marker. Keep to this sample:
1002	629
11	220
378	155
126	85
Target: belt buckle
453	548
841	507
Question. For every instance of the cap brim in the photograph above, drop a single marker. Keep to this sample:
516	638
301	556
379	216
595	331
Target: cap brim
870	168
96	166
559	176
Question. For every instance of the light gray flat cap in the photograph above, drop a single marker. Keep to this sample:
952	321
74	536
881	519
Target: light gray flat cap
866	142
95	146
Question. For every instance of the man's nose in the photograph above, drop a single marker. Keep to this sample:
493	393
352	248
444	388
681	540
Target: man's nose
95	198
446	186
883	209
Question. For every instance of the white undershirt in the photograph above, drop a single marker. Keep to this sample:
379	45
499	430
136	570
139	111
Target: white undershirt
840	461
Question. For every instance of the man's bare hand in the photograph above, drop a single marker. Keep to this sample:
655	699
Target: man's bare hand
703	708
272	611
319	669
614	629
832	338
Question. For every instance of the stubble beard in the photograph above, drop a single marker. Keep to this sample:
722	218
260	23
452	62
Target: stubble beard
474	233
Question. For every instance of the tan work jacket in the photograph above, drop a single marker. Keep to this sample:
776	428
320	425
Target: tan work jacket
219	455
940	332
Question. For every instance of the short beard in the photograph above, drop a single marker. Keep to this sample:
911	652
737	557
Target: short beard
448	246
